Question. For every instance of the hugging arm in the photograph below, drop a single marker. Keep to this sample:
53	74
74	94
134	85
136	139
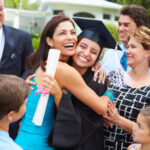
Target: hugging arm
69	78
50	84
68	119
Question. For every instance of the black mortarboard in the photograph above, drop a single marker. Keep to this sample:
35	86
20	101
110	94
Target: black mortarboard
96	31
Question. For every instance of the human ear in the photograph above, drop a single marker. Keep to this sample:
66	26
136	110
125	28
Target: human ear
10	115
49	41
147	55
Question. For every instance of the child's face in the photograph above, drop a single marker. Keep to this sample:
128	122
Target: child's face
141	131
20	113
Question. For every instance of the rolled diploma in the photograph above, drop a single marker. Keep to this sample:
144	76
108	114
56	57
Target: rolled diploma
52	61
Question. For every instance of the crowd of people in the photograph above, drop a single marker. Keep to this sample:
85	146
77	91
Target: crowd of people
81	114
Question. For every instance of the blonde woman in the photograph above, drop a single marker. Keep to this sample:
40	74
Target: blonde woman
130	97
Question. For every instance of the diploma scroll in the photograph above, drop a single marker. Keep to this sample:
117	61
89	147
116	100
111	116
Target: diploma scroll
52	61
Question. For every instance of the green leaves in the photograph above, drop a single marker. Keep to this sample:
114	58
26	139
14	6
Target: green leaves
24	4
12	3
144	3
113	30
35	40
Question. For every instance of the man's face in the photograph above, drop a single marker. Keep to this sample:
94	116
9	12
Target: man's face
1	13
126	26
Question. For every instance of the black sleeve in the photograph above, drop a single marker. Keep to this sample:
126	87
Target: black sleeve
66	131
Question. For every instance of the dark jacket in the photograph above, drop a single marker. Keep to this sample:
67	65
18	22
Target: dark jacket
78	127
17	47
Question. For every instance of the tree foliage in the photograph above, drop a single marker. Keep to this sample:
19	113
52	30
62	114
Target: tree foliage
144	3
25	4
112	28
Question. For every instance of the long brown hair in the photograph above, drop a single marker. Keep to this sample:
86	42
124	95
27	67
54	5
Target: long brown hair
40	56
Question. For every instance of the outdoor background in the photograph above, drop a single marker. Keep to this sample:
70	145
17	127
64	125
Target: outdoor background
35	4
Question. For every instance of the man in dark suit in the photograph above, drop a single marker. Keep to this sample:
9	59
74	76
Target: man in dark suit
15	46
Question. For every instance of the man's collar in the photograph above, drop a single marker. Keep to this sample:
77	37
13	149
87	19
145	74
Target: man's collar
123	47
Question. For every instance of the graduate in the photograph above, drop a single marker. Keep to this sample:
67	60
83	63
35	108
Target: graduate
78	127
59	33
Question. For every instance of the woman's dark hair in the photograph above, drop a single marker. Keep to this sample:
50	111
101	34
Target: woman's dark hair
40	56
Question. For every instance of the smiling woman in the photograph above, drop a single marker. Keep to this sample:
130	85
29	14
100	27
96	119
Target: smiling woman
131	97
64	39
87	52
79	121
59	33
136	53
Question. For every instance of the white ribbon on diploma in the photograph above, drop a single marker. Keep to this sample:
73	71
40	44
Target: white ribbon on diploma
52	61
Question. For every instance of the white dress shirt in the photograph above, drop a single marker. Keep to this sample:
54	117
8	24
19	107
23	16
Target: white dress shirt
2	42
109	61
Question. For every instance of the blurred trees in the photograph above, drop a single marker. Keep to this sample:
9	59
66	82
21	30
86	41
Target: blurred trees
22	4
144	3
112	28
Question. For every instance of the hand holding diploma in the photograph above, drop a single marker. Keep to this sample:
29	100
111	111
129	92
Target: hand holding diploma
52	61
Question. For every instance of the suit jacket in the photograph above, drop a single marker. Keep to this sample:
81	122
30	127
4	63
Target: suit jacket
17	47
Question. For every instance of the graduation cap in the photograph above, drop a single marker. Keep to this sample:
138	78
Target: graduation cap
96	31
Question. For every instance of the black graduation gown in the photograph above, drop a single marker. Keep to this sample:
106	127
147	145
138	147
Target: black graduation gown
77	127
